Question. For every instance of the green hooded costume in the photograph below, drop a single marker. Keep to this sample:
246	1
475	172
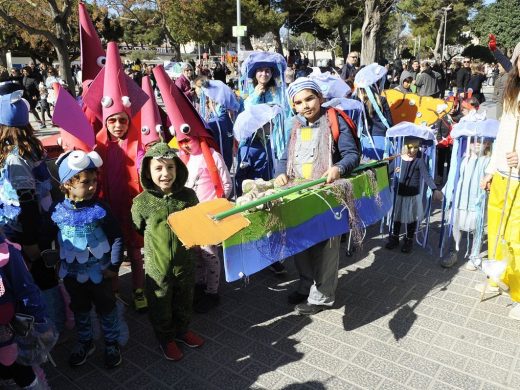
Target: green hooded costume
169	266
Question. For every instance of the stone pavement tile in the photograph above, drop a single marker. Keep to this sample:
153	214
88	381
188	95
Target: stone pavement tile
302	371
292	348
509	324
318	341
360	376
97	380
480	315
226	379
362	359
355	339
419	363
499	345
254	369
383	350
261	334
439	303
280	326
391	385
238	324
232	339
425	335
275	380
374	332
460	332
333	383
444	341
493	306
232	359
515	381
504	361
419	381
442	386
142	356
192	383
486	371
448	317
483	327
456	297
199	366
207	328
62	382
265	354
167	372
411	345
463	310
470	349
124	372
448	358
493	386
458	379
324	362
428	323
345	352
323	326
390	370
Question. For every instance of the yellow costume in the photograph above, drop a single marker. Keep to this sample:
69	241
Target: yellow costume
509	245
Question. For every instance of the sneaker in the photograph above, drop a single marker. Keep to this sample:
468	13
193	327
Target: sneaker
42	127
470	266
207	302
407	245
450	261
308	309
393	242
140	302
489	288
278	268
171	351
190	339
295	297
81	352
514	313
112	355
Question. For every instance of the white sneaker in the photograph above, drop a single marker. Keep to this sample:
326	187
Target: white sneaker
514	313
470	266
489	288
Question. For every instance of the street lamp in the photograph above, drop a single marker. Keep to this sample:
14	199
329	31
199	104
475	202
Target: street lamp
445	9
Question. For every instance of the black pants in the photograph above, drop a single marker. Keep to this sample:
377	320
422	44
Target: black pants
22	375
84	295
410	229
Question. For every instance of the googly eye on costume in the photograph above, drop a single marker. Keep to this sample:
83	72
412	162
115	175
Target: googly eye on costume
145	130
171	129
185	128
78	160
126	101
95	158
107	101
101	61
159	129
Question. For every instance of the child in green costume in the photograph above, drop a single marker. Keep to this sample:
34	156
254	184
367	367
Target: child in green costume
170	267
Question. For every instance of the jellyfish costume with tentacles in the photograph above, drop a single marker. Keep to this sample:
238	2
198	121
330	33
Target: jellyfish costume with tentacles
218	105
371	80
277	140
465	202
414	212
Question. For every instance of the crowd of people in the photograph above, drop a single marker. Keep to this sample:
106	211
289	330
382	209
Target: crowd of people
208	142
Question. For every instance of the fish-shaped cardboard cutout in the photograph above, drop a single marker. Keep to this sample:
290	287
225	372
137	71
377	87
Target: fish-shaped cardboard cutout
421	110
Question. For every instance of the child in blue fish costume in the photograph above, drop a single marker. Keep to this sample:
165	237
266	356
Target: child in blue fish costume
91	248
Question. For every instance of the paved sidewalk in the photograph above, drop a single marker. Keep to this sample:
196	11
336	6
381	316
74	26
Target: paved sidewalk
399	322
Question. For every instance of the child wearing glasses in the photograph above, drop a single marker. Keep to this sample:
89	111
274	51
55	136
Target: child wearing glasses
408	207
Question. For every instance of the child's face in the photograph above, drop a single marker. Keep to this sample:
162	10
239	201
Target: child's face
406	84
308	104
412	148
117	125
163	173
83	188
190	145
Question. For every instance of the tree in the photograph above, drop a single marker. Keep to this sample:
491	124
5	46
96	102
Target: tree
500	18
46	18
375	11
427	21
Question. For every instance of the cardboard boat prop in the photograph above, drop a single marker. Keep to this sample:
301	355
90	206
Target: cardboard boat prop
305	216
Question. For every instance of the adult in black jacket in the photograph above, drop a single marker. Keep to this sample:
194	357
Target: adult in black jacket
463	76
31	91
476	80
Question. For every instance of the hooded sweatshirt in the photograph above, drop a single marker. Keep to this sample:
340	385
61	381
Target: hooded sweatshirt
164	256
